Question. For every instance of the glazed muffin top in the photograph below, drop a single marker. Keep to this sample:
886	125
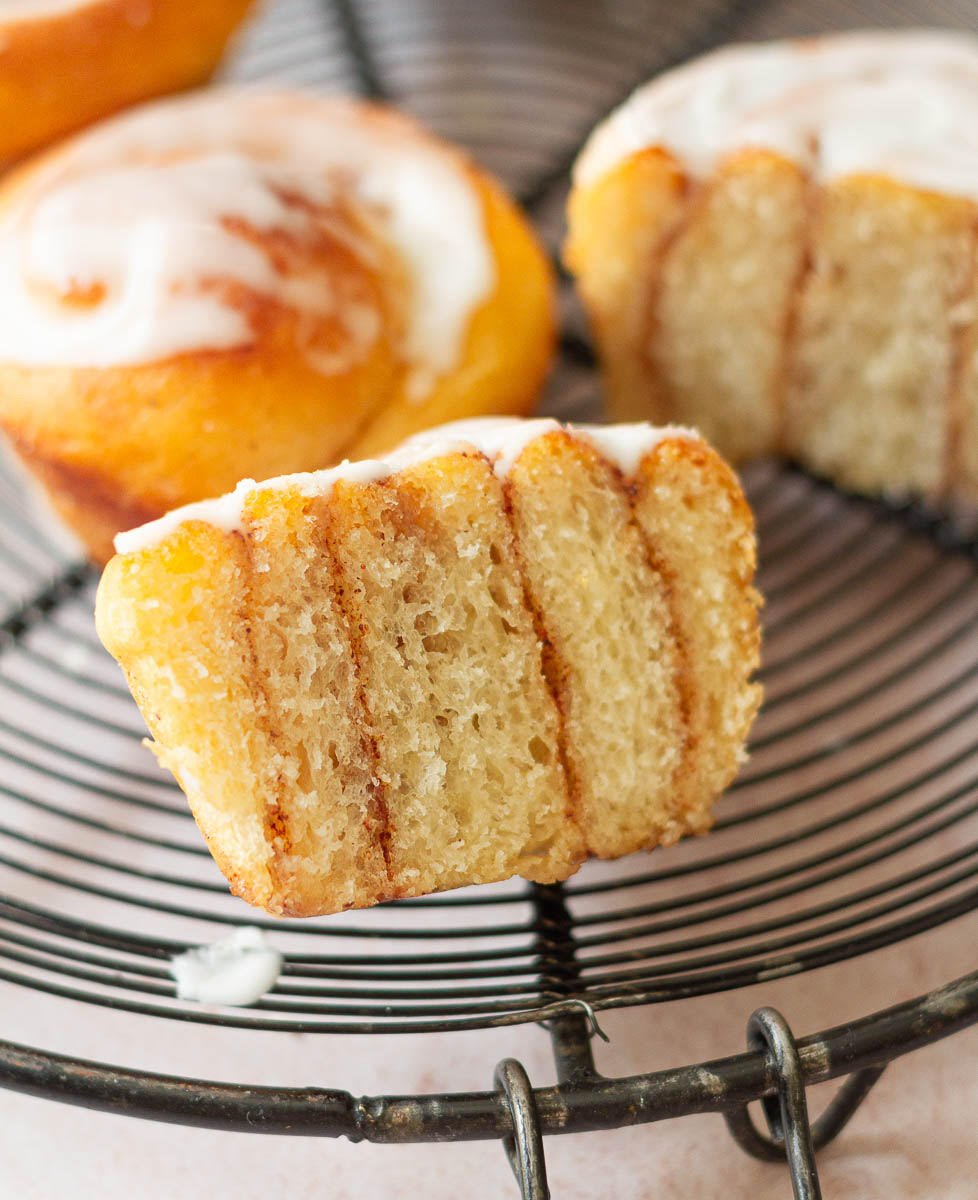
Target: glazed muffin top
160	233
900	103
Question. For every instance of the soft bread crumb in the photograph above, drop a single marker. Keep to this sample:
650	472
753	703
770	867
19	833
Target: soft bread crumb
445	677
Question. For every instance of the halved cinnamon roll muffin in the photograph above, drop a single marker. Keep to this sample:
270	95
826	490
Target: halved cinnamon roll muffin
777	243
505	647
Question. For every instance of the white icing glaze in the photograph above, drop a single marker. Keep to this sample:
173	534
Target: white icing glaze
501	439
144	207
627	445
903	104
238	969
225	512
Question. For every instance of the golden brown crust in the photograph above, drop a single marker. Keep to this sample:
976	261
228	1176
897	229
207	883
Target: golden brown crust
62	71
171	618
84	498
508	347
617	231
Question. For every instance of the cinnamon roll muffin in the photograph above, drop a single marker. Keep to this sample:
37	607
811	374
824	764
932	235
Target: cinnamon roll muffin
246	283
500	649
65	63
777	243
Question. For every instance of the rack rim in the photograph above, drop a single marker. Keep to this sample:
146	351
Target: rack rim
593	1102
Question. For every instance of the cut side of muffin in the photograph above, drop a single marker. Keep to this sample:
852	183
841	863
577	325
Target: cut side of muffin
691	509
614	658
451	670
320	780
507	647
777	243
719	322
872	366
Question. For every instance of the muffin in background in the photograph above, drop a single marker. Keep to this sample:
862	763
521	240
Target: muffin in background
65	63
248	282
777	243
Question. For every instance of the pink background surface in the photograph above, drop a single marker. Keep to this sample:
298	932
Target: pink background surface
915	1137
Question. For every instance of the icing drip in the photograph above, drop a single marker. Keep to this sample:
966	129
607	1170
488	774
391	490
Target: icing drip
903	104
501	439
238	969
144	215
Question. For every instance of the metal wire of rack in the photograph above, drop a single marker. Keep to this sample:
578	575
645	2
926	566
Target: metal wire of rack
854	826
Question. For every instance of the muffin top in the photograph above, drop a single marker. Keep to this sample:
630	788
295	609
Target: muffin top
903	104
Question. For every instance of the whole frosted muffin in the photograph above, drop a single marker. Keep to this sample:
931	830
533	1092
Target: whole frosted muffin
777	243
64	63
249	283
505	647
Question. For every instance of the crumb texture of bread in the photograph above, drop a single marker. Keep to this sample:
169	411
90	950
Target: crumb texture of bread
446	672
691	508
723	302
326	822
453	680
872	365
614	657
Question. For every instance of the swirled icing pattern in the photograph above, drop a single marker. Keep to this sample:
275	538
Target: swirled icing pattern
142	213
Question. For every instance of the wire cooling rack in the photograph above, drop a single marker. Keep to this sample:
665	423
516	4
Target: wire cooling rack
854	826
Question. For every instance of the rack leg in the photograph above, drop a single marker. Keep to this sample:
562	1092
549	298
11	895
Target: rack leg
791	1136
570	1032
524	1146
571	1036
786	1113
848	1098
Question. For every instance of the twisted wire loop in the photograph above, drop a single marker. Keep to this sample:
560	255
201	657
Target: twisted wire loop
832	1121
786	1113
524	1146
